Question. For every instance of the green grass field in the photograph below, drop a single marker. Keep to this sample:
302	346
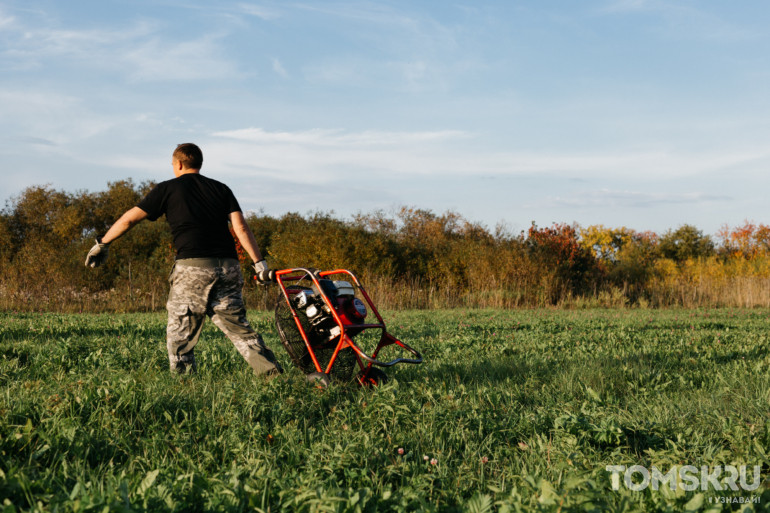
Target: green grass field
511	411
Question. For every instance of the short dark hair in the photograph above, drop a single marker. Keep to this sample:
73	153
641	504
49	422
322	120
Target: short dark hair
190	156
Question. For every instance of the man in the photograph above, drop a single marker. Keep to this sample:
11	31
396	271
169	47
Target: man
206	278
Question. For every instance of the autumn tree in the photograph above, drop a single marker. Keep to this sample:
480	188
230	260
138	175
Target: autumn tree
559	248
748	241
686	242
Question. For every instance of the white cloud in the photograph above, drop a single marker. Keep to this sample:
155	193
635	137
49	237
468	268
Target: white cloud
279	69
338	138
55	117
627	5
323	155
362	12
681	19
139	50
38	43
6	21
388	48
158	60
637	165
385	28
613	199
258	11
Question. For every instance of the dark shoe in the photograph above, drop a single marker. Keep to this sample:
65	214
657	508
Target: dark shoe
184	364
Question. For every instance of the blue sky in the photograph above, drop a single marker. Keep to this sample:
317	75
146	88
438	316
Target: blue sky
639	113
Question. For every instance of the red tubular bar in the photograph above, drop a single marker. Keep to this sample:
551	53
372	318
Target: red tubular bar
278	276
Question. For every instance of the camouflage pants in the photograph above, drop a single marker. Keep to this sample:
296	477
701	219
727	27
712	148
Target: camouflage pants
199	289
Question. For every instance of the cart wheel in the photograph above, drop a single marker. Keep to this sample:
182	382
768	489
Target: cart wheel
319	379
374	377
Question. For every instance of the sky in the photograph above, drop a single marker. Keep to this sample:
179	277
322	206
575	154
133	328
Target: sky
648	114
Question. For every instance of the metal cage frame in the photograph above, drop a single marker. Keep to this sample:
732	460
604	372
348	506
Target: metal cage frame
347	330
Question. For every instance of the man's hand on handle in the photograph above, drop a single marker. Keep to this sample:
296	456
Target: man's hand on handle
263	273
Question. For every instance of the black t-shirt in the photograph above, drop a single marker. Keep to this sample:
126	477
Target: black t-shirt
197	209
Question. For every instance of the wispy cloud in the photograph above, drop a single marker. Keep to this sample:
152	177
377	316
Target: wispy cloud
33	141
614	199
139	50
322	155
196	59
278	68
683	20
31	45
6	21
51	116
388	48
629	5
339	138
364	12
259	11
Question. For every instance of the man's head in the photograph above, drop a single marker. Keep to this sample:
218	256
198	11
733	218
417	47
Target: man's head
189	156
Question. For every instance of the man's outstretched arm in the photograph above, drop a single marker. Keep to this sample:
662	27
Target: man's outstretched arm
131	218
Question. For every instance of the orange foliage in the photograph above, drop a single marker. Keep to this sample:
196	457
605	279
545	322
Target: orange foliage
559	246
747	241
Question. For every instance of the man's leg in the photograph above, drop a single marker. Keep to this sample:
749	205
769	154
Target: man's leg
190	287
228	312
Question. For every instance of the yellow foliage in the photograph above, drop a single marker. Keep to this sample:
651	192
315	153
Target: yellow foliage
605	243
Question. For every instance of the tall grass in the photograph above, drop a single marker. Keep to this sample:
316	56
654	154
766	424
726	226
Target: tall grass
713	282
731	291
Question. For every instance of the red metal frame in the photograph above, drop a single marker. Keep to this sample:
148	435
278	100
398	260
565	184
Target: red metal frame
386	339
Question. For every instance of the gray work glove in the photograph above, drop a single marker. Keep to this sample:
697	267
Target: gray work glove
98	254
263	273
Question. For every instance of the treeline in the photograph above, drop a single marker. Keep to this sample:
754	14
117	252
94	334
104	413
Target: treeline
410	259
